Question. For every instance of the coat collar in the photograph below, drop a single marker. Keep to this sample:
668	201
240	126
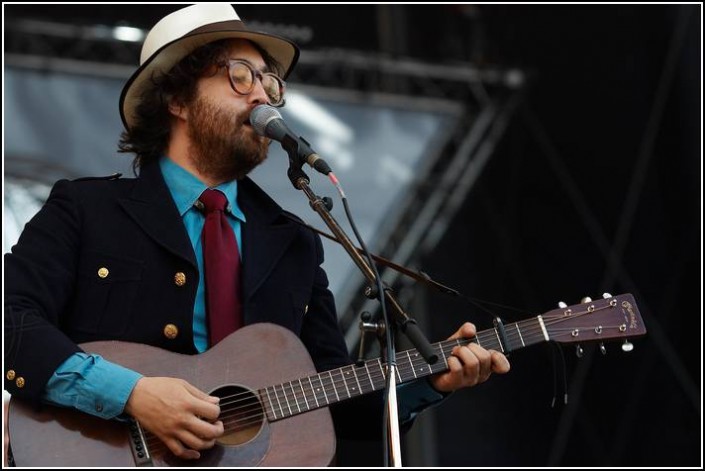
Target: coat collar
151	206
265	236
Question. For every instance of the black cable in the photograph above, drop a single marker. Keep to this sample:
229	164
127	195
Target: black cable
391	357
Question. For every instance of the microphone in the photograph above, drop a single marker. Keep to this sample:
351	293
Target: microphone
268	122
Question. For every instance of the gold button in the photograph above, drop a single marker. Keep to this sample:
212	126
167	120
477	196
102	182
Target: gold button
180	279
103	272
20	382
171	331
10	375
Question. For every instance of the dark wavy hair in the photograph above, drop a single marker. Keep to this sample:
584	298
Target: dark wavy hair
149	136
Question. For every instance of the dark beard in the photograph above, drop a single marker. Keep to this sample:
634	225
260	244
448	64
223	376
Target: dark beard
222	148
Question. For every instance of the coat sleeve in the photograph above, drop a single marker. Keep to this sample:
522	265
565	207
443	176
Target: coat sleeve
40	273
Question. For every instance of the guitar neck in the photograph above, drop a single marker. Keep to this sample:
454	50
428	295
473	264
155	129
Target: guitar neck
323	389
603	319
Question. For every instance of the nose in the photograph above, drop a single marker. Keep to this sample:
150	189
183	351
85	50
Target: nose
258	95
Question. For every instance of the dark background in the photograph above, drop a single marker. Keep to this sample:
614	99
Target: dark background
595	186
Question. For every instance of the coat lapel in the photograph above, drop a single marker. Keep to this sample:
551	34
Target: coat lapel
265	237
154	210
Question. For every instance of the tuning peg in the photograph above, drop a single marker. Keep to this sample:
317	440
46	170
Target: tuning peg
578	351
603	349
586	299
562	305
606	295
627	346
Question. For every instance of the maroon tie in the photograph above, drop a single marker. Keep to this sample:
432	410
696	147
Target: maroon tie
222	269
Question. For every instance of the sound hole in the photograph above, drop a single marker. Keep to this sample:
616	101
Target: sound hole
241	413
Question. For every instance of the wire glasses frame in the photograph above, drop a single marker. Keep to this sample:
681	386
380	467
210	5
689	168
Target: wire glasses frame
242	81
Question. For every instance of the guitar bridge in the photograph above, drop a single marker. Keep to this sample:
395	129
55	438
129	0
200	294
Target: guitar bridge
138	445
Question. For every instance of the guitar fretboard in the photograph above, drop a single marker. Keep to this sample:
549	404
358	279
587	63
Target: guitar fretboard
323	389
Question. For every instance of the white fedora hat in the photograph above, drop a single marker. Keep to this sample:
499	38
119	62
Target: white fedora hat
177	35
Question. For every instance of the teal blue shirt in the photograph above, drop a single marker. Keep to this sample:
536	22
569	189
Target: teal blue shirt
185	189
98	387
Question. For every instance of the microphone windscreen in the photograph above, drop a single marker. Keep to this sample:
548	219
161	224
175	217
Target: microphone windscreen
260	117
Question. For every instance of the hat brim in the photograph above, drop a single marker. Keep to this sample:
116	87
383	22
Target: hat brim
285	52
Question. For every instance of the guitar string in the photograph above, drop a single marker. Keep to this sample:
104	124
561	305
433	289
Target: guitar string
297	406
405	367
534	331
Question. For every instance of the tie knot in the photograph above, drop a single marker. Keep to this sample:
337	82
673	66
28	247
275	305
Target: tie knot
213	200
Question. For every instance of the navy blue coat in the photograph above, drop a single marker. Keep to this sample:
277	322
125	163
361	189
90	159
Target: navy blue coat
55	298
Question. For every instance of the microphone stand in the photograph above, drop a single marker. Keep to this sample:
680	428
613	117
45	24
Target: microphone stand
408	325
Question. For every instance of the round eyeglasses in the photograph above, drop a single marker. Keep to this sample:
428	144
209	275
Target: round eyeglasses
242	80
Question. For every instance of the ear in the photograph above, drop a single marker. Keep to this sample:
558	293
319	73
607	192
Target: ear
177	109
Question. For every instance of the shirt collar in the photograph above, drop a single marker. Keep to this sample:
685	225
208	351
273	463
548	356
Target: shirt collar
185	188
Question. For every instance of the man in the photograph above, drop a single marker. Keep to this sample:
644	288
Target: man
127	259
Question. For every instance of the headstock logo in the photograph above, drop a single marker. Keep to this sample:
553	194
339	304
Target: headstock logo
632	317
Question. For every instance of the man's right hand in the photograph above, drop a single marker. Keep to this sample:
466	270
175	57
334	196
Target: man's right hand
183	417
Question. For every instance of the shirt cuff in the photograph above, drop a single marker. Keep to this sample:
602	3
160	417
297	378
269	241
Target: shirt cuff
92	385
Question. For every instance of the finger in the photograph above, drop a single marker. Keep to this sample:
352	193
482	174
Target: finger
206	430
470	362
193	441
467	330
195	392
500	364
180	451
484	361
450	380
205	410
203	405
454	364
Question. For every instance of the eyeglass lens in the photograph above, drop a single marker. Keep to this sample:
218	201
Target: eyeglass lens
243	79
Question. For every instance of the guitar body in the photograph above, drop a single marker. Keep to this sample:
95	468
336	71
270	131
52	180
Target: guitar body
286	424
249	359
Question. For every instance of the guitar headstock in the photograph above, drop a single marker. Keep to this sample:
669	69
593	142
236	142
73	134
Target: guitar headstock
612	317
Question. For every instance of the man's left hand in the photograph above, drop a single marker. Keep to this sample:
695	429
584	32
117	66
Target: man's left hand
469	364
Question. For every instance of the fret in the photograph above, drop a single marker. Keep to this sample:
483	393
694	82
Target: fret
443	353
543	327
350	381
423	364
315	396
413	370
271	405
438	366
521	337
398	375
274	388
344	382
325	394
381	370
499	341
304	393
372	383
477	339
286	399
291	385
359	387
332	382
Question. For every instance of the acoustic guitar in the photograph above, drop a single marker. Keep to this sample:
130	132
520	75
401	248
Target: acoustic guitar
273	402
